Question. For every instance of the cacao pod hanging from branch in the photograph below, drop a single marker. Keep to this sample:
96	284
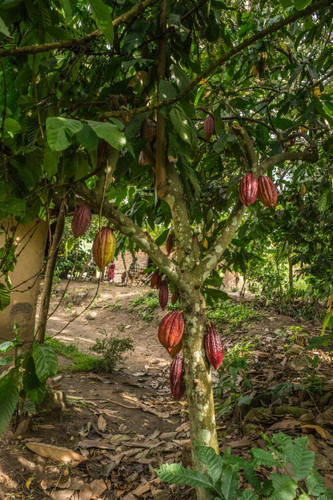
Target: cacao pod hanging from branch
81	220
171	329
267	191
104	247
213	346
163	295
209	126
248	189
177	382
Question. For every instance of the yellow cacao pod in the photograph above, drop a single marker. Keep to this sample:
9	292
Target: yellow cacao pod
104	247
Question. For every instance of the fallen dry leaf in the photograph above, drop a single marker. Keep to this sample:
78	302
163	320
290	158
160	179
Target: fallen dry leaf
62	494
101	423
318	429
97	487
55	452
140	490
85	492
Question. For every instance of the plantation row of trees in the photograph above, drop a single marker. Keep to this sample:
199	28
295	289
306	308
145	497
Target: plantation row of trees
105	102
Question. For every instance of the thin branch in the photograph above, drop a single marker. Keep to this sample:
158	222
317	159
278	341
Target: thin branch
246	145
228	55
126	226
76	42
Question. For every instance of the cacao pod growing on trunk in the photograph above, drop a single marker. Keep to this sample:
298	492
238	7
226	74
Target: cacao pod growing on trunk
213	346
267	191
177	382
175	350
248	189
175	296
154	279
209	126
159	282
169	243
81	220
171	329
104	247
163	295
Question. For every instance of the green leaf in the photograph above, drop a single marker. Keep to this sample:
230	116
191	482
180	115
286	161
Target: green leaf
51	162
166	90
211	461
87	138
248	495
284	487
229	481
102	16
9	394
323	201
304	496
314	483
60	130
67	8
34	388
4	297
302	459
46	361
110	133
181	124
3	28
176	474
6	346
12	127
263	457
301	4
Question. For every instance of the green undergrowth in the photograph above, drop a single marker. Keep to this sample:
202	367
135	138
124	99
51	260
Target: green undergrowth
145	305
235	314
110	350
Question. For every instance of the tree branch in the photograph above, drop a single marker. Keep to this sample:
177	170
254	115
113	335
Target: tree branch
246	145
76	42
230	226
228	55
126	226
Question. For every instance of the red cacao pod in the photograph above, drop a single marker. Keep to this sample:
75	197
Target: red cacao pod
159	282
175	296
154	279
209	126
104	247
169	243
163	295
213	346
175	350
267	191
171	329
81	220
248	189
177	382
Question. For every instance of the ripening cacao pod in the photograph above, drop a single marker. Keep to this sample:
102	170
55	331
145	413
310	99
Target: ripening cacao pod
81	220
154	279
175	296
159	282
169	242
151	131
171	329
213	346
175	350
102	153
209	126
248	189
267	191
163	294
177	382
104	247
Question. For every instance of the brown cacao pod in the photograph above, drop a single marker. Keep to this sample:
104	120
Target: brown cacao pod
159	282
175	350
81	220
154	279
102	153
177	382
104	247
248	189
267	191
163	295
175	296
171	329
209	126
213	346
169	242
151	133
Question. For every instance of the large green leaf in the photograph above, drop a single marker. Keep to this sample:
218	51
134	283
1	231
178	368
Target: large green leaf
213	462
284	487
60	130
34	388
262	457
9	394
230	481
46	361
248	495
4	297
102	16
181	124
3	28
176	474
302	459
110	133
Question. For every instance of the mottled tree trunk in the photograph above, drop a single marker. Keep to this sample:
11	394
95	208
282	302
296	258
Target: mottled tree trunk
199	390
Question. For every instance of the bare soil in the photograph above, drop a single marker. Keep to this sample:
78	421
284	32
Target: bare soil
125	424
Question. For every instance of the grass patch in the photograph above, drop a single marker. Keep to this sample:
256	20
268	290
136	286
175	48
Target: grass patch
145	305
233	313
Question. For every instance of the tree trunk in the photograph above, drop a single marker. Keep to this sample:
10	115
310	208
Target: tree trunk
50	267
198	380
291	277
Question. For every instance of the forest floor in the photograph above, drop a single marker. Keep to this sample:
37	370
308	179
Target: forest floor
108	435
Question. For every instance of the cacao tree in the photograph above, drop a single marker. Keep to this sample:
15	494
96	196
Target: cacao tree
151	114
